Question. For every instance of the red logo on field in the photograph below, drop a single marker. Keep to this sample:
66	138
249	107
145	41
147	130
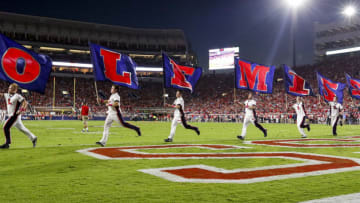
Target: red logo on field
312	164
292	143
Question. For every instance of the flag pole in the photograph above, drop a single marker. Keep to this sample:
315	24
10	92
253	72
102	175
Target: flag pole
97	94
164	92
74	92
54	93
234	95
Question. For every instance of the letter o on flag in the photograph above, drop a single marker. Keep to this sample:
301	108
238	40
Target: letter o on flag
9	62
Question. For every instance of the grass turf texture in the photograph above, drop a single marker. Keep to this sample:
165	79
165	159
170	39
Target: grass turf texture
55	172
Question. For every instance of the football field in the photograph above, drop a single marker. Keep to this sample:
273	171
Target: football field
67	166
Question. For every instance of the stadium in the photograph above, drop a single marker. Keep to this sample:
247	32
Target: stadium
67	162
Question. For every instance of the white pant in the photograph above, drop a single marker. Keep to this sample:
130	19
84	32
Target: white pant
20	126
176	120
110	118
333	120
247	121
299	119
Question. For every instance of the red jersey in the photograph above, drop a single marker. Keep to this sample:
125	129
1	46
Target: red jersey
84	110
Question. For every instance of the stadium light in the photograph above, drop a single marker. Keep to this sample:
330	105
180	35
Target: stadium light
349	11
342	51
52	49
77	51
89	65
295	4
27	46
149	69
69	64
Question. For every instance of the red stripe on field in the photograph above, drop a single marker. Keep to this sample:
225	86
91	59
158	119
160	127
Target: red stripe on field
335	163
118	153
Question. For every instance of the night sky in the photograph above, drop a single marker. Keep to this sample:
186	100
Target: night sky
261	28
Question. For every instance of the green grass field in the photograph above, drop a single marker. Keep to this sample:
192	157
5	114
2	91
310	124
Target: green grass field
55	172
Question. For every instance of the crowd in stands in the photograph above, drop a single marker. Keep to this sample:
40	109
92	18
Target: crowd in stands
214	97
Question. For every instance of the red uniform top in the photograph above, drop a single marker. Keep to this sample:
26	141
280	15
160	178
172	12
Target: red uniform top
84	110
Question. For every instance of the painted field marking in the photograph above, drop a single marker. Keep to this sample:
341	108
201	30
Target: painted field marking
130	152
292	143
313	164
60	128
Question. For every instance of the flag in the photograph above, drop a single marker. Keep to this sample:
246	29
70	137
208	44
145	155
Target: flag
179	77
116	67
296	85
254	77
329	89
354	86
24	67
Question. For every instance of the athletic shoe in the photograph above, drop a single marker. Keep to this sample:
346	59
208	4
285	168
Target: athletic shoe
308	128
100	143
34	142
265	133
197	131
335	134
82	130
241	137
168	140
138	131
4	146
303	136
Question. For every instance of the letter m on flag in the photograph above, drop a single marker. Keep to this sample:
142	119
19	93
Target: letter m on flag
254	77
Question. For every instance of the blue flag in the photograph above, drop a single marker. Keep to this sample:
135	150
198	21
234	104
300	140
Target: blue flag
179	77
329	89
296	85
24	67
354	86
254	77
116	67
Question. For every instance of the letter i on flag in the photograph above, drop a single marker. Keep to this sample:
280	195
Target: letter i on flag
329	89
354	86
179	77
296	85
24	67
116	67
254	77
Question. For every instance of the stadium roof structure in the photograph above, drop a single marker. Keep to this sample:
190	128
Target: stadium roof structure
336	38
68	40
73	31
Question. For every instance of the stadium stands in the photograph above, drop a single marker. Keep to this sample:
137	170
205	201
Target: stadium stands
214	95
213	98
